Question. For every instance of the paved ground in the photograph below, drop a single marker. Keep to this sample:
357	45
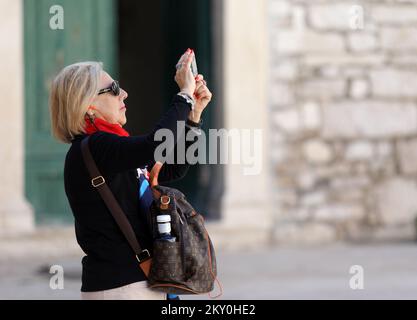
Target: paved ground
390	272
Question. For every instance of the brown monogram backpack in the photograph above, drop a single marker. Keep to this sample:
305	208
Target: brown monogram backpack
187	266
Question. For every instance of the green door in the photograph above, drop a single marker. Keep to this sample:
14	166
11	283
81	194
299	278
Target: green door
89	33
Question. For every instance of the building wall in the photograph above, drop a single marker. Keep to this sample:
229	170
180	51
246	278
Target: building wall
343	119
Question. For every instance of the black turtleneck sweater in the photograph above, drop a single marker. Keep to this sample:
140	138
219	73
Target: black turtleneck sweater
109	261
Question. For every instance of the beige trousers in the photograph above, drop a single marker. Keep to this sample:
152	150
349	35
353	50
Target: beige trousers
134	291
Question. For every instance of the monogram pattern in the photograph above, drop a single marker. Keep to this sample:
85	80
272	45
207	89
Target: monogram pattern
187	266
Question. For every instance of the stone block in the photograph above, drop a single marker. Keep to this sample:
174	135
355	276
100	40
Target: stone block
391	83
317	152
287	120
305	42
369	119
361	150
394	14
330	16
398	39
359	89
322	89
396	201
310	116
362	42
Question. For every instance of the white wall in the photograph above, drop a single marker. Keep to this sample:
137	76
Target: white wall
16	215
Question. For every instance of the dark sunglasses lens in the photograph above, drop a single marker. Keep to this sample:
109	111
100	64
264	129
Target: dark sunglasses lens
115	88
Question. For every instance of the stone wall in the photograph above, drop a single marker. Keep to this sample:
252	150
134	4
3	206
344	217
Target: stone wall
343	92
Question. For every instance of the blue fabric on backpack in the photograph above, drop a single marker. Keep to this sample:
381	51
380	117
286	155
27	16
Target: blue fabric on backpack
145	193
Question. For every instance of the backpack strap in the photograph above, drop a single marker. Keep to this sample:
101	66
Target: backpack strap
98	182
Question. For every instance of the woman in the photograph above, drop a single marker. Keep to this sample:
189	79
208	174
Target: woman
85	100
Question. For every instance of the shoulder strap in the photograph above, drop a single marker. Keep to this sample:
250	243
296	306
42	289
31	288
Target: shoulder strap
98	182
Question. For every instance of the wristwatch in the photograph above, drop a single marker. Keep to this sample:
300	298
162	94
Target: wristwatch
187	98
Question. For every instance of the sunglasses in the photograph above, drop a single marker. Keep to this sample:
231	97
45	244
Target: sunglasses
115	89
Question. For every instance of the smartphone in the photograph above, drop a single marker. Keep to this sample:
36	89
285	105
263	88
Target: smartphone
194	69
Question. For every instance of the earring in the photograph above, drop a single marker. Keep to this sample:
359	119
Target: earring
91	117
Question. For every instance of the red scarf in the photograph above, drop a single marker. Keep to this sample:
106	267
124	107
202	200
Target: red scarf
103	125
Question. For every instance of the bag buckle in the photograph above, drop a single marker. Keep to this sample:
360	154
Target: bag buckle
100	181
144	255
165	200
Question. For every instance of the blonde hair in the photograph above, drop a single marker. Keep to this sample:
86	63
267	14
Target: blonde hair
72	92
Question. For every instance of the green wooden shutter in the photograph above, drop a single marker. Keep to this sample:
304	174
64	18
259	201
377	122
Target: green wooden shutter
89	34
